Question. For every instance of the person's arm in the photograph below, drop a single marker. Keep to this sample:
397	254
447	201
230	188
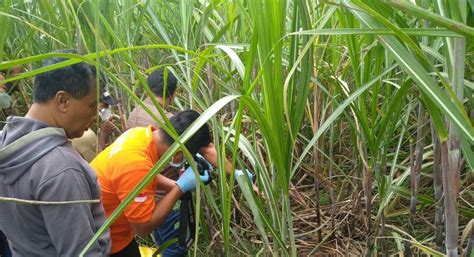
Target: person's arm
162	209
106	129
185	183
164	184
2	85
69	226
210	153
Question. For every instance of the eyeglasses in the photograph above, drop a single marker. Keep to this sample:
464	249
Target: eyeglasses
177	165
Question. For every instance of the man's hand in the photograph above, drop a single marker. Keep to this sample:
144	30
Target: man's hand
2	86
247	172
187	181
106	129
252	179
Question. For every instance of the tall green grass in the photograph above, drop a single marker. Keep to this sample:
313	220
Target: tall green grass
321	100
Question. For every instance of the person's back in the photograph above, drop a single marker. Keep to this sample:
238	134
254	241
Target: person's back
119	168
140	118
39	164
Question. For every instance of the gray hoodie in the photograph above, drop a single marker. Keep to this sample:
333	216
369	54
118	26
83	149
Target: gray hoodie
47	168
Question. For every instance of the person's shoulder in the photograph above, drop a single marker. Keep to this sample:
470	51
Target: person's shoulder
129	152
68	155
138	110
62	159
132	142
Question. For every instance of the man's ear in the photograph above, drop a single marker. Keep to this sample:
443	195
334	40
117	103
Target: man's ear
62	100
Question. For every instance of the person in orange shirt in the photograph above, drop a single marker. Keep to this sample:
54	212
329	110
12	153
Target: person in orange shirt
122	165
164	85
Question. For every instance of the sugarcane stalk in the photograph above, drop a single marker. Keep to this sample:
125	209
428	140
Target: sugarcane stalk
470	243
34	202
367	185
384	241
354	196
457	81
416	158
368	206
382	233
407	250
438	191
316	161
452	154
437	175
330	174
450	202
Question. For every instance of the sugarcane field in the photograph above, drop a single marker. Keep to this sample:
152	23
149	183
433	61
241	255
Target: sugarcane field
172	128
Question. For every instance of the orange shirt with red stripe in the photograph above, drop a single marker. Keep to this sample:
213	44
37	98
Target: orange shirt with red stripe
120	167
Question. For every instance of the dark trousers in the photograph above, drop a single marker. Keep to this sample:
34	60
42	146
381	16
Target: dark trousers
168	230
4	248
131	250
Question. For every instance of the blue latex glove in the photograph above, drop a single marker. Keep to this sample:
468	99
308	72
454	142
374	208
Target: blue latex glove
187	181
240	173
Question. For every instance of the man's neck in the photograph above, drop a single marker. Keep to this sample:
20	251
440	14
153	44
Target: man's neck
158	143
42	112
163	101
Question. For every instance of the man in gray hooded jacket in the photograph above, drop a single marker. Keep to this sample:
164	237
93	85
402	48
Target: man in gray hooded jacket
38	163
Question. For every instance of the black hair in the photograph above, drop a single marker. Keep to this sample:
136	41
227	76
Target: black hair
77	79
156	83
181	121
